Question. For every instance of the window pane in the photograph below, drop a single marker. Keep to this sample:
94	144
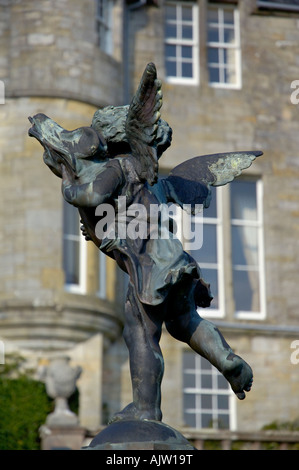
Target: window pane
187	13
102	275
187	32
223	421
102	37
213	34
187	70
211	211
208	251
189	380
171	68
243	200
229	35
222	382
222	402
206	402
70	219
100	8
213	55
206	407
104	25
211	277
188	360
170	31
228	17
187	52
71	261
245	245
214	75
204	364
213	15
189	401
229	61
207	420
170	12
206	381
180	24
190	420
246	290
170	50
222	32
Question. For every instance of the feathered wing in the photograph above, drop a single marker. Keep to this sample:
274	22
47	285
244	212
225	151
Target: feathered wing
142	124
189	182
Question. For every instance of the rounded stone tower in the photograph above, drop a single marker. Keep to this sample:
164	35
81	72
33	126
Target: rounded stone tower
59	58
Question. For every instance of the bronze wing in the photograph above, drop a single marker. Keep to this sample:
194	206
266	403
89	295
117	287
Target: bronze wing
189	182
142	124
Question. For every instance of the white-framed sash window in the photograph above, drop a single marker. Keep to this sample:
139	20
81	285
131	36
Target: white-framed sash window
181	42
224	46
247	248
210	255
208	401
104	25
231	257
102	275
74	251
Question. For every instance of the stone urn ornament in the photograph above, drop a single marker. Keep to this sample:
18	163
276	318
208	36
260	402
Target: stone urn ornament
60	379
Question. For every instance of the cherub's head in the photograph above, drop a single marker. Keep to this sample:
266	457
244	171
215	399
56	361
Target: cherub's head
73	149
111	121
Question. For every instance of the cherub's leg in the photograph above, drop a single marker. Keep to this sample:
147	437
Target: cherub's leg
205	339
142	333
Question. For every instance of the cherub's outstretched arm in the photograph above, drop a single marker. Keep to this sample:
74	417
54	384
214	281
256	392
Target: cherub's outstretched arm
94	193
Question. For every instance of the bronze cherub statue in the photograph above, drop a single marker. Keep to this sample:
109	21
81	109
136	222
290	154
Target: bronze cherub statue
115	162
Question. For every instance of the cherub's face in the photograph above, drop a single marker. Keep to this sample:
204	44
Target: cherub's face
74	149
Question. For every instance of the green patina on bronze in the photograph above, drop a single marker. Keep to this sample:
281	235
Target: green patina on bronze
118	155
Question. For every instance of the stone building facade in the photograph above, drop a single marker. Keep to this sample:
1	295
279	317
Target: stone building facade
230	74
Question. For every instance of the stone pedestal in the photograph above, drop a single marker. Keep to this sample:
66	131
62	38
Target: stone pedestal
139	435
62	437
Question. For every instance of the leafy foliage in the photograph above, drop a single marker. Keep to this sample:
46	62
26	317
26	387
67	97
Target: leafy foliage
24	406
283	426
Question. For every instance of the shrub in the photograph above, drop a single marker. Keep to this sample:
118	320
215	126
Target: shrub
24	406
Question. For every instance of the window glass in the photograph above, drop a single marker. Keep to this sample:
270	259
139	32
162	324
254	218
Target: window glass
73	250
102	274
244	261
71	263
223	47
243	200
208	252
206	394
246	290
246	246
181	42
207	256
104	25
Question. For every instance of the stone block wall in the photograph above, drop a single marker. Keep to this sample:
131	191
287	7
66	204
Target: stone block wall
260	116
50	63
50	48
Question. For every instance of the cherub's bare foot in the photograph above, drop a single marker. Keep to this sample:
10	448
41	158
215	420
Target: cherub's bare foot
132	412
239	375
